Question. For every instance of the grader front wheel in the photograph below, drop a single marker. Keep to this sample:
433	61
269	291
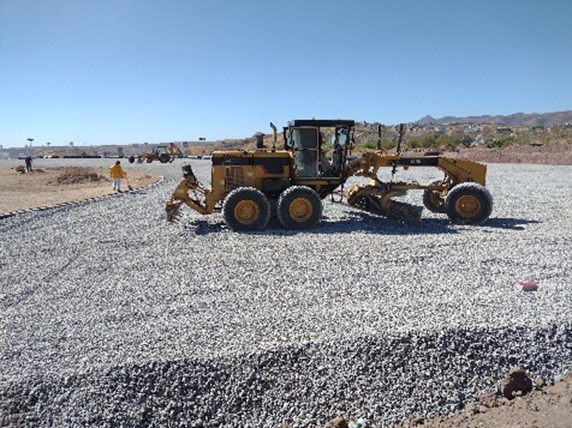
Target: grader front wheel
469	203
246	209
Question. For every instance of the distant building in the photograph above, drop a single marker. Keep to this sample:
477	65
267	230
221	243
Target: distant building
471	128
504	130
538	129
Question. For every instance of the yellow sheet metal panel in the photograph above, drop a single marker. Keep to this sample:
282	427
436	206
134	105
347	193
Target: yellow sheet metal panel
464	170
236	168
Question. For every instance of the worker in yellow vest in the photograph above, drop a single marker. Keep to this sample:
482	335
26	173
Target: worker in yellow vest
117	173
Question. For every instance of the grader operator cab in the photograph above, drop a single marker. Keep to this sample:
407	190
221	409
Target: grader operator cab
305	140
249	187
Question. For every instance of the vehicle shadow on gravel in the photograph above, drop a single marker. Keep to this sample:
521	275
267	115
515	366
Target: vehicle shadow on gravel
204	227
370	223
363	222
509	223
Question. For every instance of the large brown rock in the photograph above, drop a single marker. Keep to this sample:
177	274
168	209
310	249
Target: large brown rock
338	422
516	383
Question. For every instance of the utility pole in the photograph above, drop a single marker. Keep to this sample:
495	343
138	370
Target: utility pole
30	141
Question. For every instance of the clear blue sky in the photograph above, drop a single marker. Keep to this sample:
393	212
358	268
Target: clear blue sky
132	71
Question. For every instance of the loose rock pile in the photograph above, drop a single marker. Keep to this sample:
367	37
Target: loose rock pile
113	317
77	175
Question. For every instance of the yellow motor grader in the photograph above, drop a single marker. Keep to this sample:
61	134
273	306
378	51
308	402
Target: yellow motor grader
164	153
249	187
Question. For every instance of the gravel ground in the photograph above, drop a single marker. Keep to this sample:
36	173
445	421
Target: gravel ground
111	316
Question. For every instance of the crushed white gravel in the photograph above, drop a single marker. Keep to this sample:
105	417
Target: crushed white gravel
111	316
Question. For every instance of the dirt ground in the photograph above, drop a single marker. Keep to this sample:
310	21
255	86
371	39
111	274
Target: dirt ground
544	407
548	406
52	186
548	154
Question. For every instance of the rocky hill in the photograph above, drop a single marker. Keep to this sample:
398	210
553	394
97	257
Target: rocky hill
524	119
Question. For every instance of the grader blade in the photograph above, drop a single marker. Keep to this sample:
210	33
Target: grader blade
366	200
404	212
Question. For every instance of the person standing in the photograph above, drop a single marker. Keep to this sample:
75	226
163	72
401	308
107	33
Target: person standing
28	163
117	173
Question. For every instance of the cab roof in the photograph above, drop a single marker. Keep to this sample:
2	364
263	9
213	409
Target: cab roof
323	123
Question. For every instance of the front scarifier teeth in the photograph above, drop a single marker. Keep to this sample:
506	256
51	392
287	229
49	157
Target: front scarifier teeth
172	210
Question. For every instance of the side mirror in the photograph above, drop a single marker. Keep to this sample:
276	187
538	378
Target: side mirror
287	144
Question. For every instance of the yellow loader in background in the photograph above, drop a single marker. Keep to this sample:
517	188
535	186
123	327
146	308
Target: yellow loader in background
249	187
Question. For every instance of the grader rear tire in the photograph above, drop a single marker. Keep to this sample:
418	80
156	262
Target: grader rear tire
299	207
246	209
468	203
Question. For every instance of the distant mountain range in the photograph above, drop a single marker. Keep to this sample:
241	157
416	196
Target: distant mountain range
523	119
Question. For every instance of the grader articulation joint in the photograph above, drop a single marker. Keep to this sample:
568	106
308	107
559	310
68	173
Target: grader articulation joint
248	187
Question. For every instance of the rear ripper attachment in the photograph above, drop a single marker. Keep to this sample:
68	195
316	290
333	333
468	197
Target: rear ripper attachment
249	187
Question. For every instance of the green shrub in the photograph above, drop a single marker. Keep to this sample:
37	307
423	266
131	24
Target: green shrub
423	142
467	140
370	145
499	143
388	145
448	141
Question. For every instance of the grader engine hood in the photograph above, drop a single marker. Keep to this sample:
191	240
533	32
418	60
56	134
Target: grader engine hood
260	169
263	162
